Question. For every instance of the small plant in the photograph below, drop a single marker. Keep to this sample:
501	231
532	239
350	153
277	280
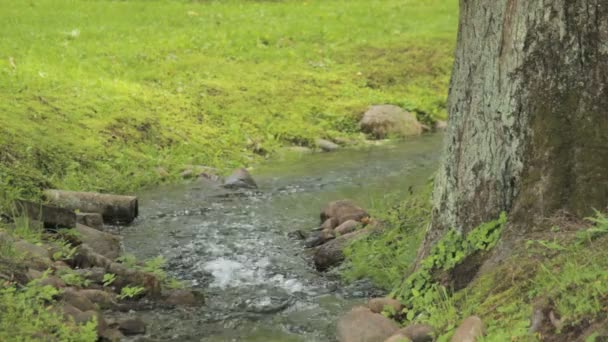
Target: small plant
65	250
130	292
129	260
72	278
108	279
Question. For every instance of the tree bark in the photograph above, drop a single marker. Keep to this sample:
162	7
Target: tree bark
528	108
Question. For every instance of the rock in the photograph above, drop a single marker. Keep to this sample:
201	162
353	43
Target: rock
419	333
330	223
297	235
77	299
103	243
383	121
103	299
240	179
331	253
113	208
319	238
35	257
87	257
60	265
342	211
112	335
183	297
398	338
347	227
93	274
33	274
440	125
31	249
377	305
52	281
187	174
132	326
470	330
52	217
362	325
326	145
93	220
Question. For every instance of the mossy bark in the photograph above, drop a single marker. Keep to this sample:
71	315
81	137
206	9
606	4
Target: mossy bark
528	109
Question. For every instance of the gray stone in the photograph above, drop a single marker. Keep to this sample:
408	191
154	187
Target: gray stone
347	227
240	179
132	326
419	332
103	243
378	305
383	121
362	325
470	330
93	220
326	145
342	211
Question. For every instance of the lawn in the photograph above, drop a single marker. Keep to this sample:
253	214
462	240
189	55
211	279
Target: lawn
97	94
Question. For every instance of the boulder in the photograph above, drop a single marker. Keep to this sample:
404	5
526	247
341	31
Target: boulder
319	238
113	208
331	253
93	274
383	121
240	179
187	174
93	220
342	211
52	217
103	243
470	330
362	325
77	299
419	332
35	257
297	235
132	326
105	300
52	281
330	223
183	297
347	227
326	145
378	305
86	257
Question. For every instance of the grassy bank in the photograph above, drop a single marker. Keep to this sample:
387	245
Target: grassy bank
95	95
561	273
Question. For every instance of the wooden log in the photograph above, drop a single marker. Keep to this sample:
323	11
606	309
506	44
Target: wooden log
52	217
114	209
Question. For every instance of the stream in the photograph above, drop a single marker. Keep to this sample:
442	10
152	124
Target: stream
259	283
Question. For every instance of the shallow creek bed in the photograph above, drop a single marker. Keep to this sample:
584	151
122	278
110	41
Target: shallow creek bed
259	283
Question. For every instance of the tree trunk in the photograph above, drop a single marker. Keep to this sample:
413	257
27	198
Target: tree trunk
528	110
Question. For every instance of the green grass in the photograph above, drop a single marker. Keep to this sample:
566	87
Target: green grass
569	276
94	95
385	257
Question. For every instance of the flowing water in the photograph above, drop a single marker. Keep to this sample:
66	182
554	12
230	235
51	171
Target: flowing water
259	283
